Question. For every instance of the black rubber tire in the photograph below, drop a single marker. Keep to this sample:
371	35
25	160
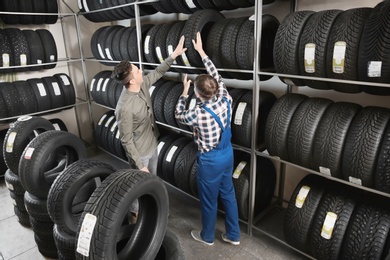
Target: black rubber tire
46	246
55	92
19	135
286	45
28	102
3	166
112	234
71	190
382	168
170	157
67	87
10	6
65	243
374	47
150	38
241	124
164	142
342	205
13	183
347	28
43	229
36	207
23	217
35	47
171	248
244	45
362	144
303	127
170	104
41	94
301	209
159	100
316	31
49	48
52	7
39	6
132	47
201	21
45	157
12	99
19	48
330	137
278	124
267	101
6	52
58	124
367	233
182	169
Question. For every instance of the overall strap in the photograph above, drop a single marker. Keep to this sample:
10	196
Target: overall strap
217	117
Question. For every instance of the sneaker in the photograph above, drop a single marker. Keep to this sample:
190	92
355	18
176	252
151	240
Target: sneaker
227	240
196	235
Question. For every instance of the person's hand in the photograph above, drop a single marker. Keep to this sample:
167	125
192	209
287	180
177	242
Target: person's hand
145	169
186	84
198	45
179	48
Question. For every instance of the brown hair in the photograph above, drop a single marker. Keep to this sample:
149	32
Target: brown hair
206	86
122	72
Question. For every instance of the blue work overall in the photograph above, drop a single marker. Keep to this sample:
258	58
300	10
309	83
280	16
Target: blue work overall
215	170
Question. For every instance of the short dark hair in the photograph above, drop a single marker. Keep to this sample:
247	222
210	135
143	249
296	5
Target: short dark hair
122	71
206	86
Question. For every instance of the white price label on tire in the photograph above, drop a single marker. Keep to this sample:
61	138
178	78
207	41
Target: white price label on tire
328	226
240	167
9	147
301	197
85	236
239	113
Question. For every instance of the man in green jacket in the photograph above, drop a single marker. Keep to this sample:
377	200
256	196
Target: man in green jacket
134	111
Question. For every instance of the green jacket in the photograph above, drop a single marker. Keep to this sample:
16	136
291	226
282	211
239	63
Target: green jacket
134	113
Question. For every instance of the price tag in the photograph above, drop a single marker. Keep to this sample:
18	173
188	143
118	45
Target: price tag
374	69
65	80
9	147
325	170
29	153
159	54
239	113
327	227
171	153
240	167
5	57
355	180
86	232
310	50
41	89
301	197
146	44
339	57
159	147
56	88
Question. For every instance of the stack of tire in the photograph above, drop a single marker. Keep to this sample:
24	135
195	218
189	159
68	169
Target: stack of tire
3	166
107	135
37	6
36	95
340	139
229	42
20	48
346	45
333	221
36	153
17	137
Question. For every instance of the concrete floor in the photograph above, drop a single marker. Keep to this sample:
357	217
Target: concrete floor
17	242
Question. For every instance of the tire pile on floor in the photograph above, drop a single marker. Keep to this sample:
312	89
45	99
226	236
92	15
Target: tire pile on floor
340	139
335	44
27	47
36	95
330	220
229	42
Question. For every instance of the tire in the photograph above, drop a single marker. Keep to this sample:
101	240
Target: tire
65	243
27	97
366	236
362	145
159	100
316	31
329	246
35	47
278	124
301	209
303	127
286	45
19	48
71	190
11	98
374	47
18	136
183	164
23	217
49	47
41	94
201	21
140	241
348	29
45	157
58	124
6	52
241	124
67	87
3	166
171	248
36	207
13	183
267	101
149	51
170	104
330	137
382	168
55	92
164	142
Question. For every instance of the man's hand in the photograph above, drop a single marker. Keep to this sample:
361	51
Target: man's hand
179	48
198	45
145	169
186	84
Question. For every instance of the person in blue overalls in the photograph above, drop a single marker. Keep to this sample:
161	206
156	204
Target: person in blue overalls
210	119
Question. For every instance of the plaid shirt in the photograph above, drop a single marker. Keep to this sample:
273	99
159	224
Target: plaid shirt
206	130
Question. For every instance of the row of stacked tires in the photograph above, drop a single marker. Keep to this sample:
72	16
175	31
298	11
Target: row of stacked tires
127	10
36	95
330	220
35	153
40	7
88	190
346	45
26	47
340	139
165	95
228	41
